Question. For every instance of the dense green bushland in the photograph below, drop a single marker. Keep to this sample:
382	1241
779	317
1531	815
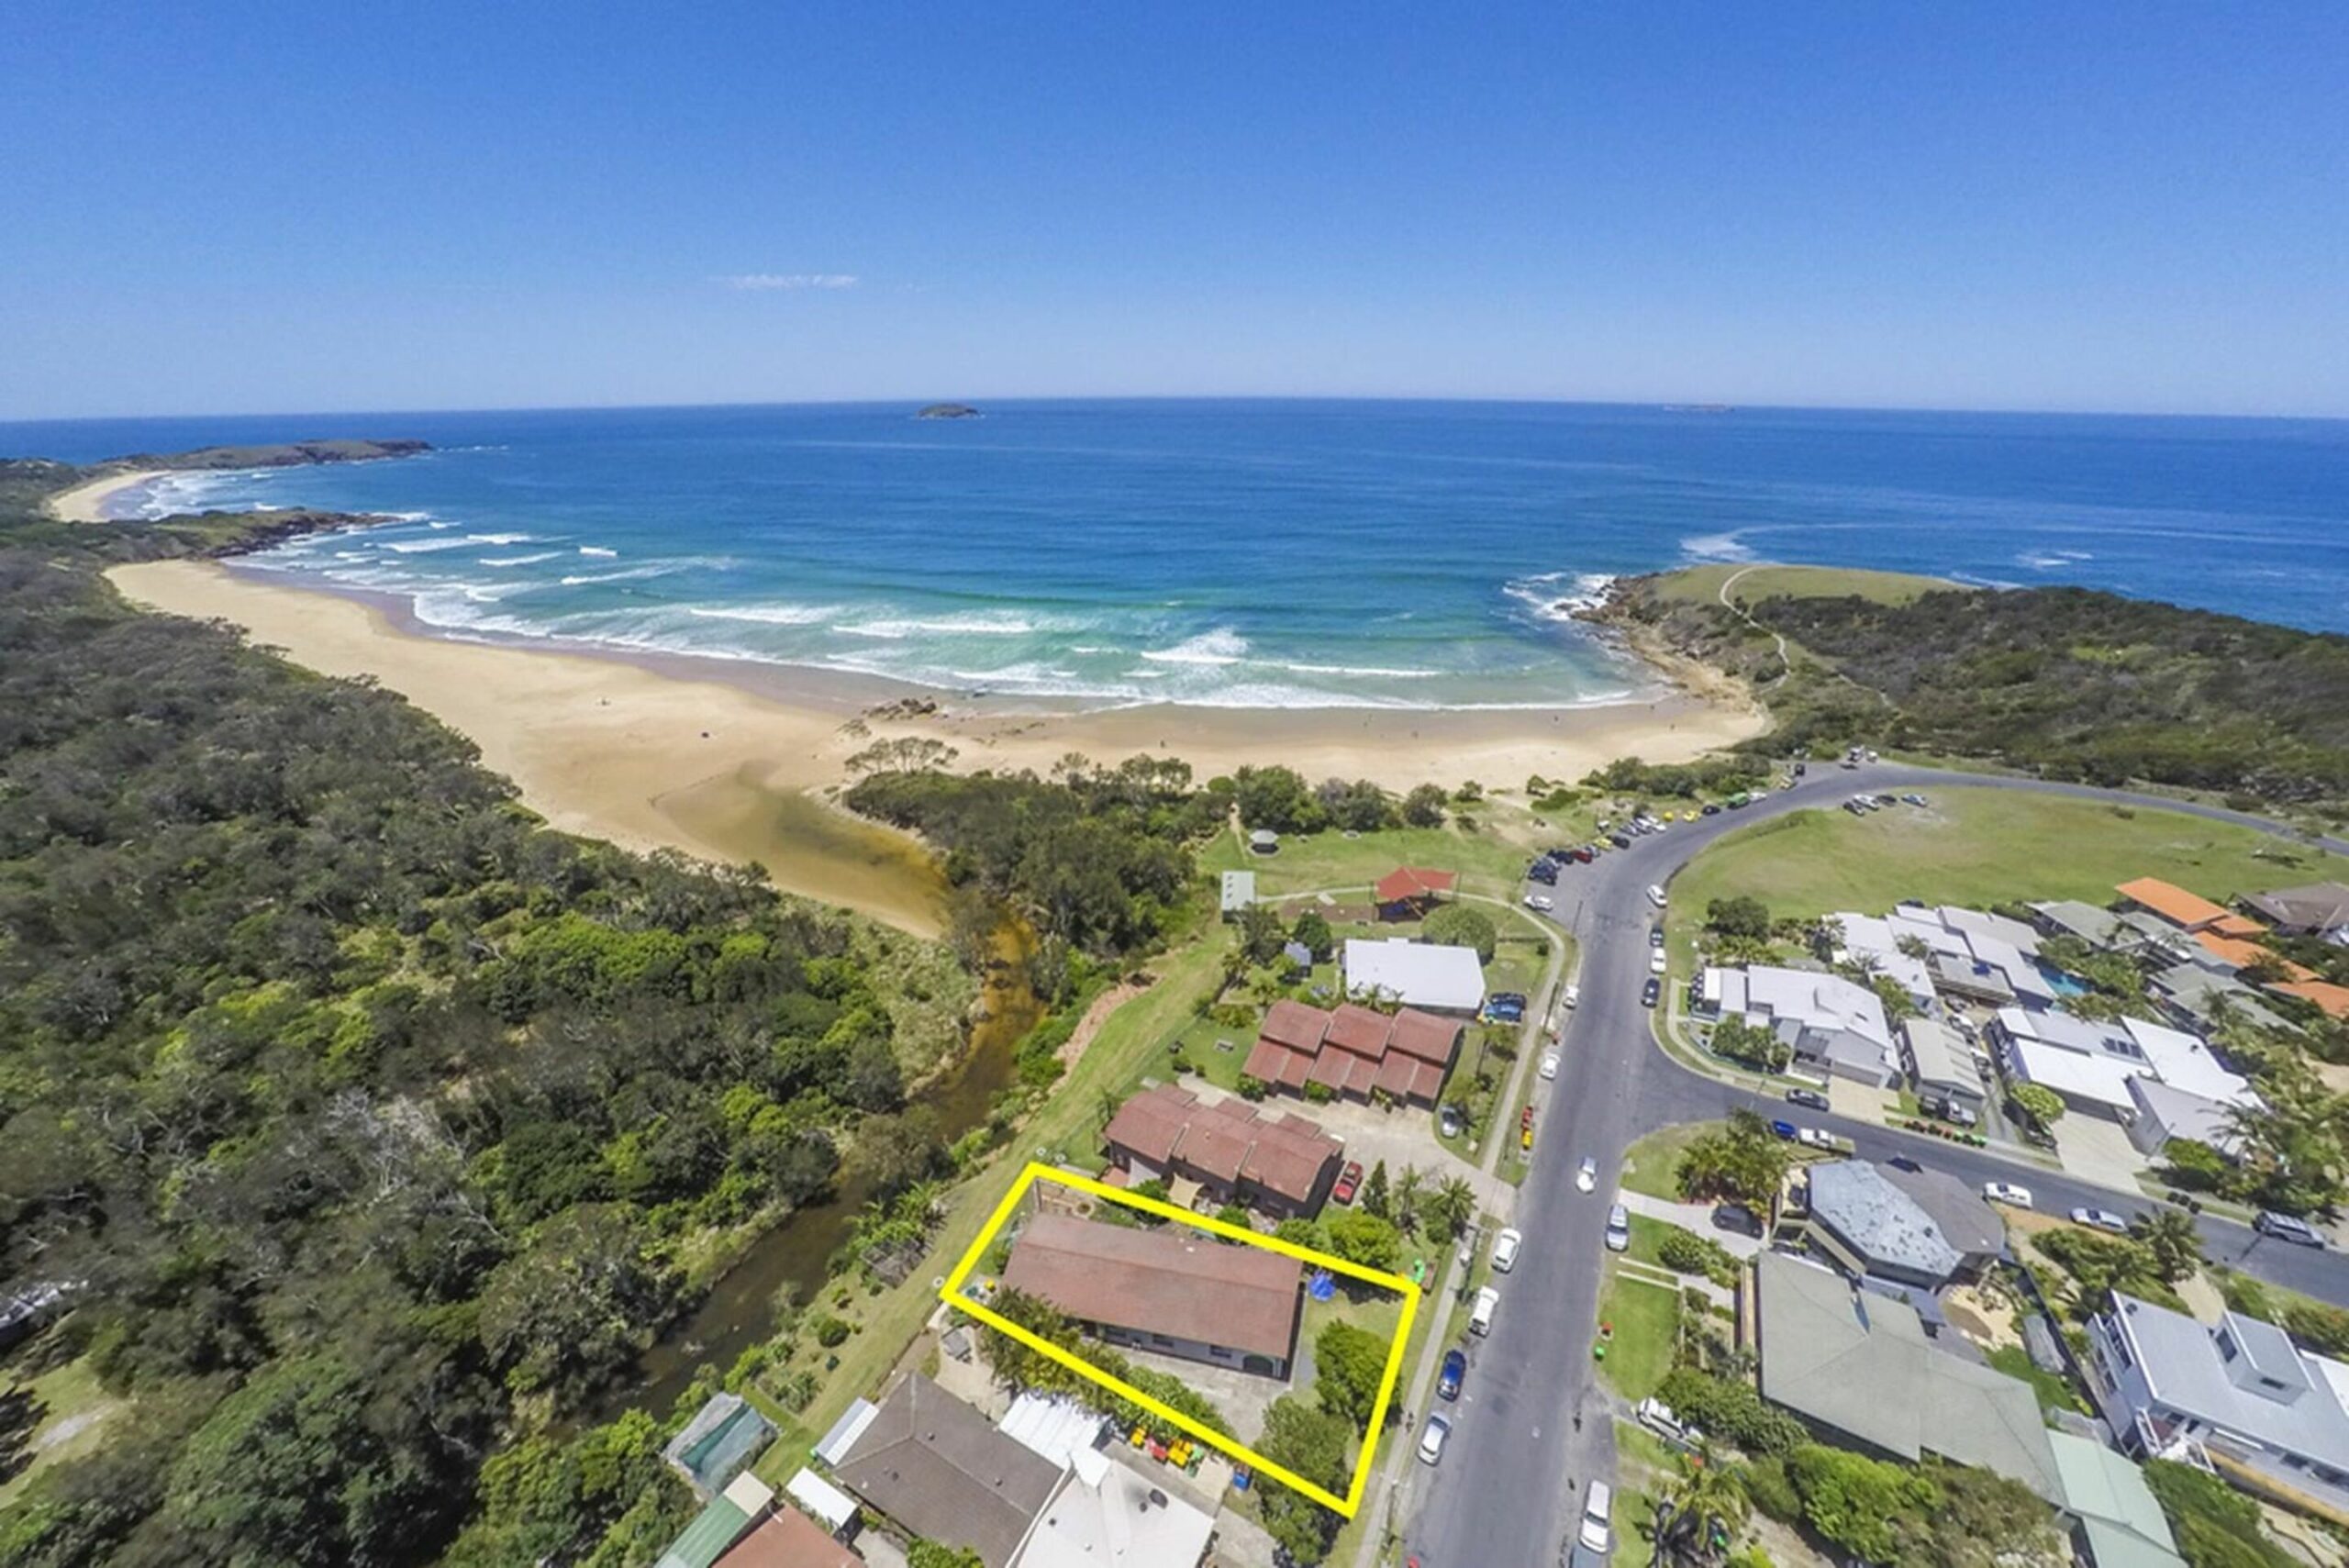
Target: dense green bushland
375	1126
2066	681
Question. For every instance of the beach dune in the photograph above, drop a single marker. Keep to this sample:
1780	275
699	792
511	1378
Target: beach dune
674	751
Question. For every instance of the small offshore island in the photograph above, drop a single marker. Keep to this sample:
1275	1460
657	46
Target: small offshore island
948	411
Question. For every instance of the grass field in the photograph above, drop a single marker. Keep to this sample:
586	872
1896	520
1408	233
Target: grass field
1486	864
1982	846
1649	1164
1646	1319
1757	583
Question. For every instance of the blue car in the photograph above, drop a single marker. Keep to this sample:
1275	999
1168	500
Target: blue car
1784	1130
1455	1367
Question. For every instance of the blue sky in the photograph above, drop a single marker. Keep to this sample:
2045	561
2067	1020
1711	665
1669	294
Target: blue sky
2122	207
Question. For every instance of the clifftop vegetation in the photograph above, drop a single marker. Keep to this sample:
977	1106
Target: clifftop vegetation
2069	682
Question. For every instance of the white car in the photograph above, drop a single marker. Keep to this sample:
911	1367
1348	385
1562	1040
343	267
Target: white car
1618	1229
1572	997
1655	896
1598	1505
1480	1320
1432	1431
1550	1064
2008	1194
1539	902
1587	1175
2100	1220
1655	961
1505	1246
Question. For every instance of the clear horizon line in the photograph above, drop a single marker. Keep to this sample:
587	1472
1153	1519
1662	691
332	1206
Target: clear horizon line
980	403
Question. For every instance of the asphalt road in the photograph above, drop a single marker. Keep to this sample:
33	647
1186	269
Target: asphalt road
1533	1426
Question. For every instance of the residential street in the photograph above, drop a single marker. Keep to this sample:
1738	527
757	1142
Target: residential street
1514	1472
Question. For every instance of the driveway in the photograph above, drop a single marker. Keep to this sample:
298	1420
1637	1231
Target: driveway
1405	1137
2098	1150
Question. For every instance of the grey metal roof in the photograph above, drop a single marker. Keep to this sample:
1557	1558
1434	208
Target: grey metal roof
1863	1365
1939	1056
2100	927
1884	1225
1966	1221
2183	1366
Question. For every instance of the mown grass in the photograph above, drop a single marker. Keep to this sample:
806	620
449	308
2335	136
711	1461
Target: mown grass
1648	1165
1982	846
1486	864
1646	1320
1703	584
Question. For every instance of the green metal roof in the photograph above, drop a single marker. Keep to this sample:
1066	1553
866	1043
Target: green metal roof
705	1540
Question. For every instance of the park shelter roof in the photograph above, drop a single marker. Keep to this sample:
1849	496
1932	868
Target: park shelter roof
1407	882
1178	1281
2191	911
933	1464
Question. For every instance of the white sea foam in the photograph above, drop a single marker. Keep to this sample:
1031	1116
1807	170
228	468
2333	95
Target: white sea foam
426	546
1730	546
519	559
500	539
598	549
625	574
2050	560
1364	671
1557	596
767	614
1222	646
982	623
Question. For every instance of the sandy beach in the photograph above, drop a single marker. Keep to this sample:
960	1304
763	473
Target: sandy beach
86	503
729	760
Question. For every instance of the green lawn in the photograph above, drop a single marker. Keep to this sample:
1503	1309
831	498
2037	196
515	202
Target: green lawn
1648	1165
1979	847
1646	1319
1486	863
1755	583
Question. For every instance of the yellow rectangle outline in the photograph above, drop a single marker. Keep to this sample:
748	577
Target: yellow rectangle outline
1346	1506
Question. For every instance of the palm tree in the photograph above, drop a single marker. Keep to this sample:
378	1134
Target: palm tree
1447	1208
1704	1513
2171	1238
1403	1203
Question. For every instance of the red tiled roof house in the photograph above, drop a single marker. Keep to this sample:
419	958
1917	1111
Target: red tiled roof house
1355	1051
1174	1291
1282	1166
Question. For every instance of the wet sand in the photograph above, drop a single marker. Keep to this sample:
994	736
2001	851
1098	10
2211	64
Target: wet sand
731	761
86	503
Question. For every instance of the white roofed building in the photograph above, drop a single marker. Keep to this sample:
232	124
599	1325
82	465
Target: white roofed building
2092	1066
1831	1022
1432	978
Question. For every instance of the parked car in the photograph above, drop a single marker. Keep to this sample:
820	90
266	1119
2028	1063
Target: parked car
1887	800
1544	871
1447	1119
1810	1099
1621	840
1349	1182
1656	935
1712	809
1540	903
2100	1220
2008	1194
1480	1318
1655	896
2288	1227
1784	1130
1651	992
1505	1246
1570	997
1597	1526
1432	1431
1663	1420
1914	799
1549	1064
1456	1369
1812	1138
1801	768
1587	1175
1618	1229
1737	1218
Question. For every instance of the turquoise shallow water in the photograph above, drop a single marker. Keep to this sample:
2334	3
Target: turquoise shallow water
1249	553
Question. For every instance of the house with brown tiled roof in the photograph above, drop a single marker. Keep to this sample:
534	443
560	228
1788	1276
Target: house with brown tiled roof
1408	891
1280	1165
1174	1290
938	1469
1355	1051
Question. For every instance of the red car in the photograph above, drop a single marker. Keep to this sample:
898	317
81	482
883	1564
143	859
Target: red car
1347	1180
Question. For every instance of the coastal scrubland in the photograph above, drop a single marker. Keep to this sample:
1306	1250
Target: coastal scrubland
2067	683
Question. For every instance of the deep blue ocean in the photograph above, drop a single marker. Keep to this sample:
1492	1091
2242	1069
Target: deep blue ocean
1247	553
